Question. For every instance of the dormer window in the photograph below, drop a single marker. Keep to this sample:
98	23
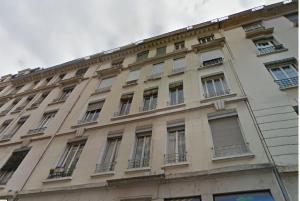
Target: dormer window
179	45
206	39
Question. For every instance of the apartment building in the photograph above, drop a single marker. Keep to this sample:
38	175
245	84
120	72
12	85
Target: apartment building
208	112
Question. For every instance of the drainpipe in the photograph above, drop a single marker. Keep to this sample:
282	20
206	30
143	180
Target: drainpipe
265	147
50	141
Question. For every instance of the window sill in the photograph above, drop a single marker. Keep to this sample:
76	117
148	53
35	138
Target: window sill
100	174
57	179
56	102
84	124
233	157
209	66
15	112
153	79
134	170
287	88
175	165
32	135
274	52
32	108
4	140
217	97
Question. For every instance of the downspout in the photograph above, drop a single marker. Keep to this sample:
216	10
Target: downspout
51	140
265	147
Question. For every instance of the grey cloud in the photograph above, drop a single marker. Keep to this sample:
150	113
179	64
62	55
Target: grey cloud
44	33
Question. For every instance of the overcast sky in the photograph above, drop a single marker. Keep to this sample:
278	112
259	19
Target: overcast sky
35	33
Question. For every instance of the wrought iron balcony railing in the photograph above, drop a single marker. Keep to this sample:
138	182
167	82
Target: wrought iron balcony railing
60	172
268	50
286	83
230	150
175	102
135	163
213	62
175	157
36	130
216	93
105	167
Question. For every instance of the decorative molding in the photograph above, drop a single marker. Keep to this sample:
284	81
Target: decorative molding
217	43
259	32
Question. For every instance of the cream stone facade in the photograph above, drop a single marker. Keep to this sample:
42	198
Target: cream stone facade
193	114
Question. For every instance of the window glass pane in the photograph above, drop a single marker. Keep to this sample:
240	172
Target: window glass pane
147	147
173	95
181	143
146	102
279	75
109	151
290	71
139	149
178	63
218	86
210	87
171	143
70	156
210	55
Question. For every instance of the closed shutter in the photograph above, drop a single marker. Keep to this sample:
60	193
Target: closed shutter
105	83
207	56
133	75
227	136
178	63
157	68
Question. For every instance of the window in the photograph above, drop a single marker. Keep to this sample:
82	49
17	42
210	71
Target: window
296	109
12	165
40	99
150	99
60	77
47	117
93	111
105	84
253	27
125	103
48	79
267	45
15	129
184	199
227	136
176	151
133	76
179	45
23	105
16	89
176	93
284	75
293	17
214	86
81	72
117	64
142	55
68	160
65	94
12	105
206	39
110	155
211	58
178	65
253	196
161	51
141	154
157	69
4	125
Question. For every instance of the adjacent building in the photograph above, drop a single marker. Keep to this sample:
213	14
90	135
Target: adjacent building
208	112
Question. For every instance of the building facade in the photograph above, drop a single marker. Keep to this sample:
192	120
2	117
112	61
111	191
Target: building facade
208	112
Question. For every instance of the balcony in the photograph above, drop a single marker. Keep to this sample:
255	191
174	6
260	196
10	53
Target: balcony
230	150
175	102
154	76
270	50
59	172
36	131
146	108
105	167
212	62
134	163
5	176
287	83
175	157
216	93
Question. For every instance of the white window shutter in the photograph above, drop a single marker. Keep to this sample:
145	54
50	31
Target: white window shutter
206	56
133	75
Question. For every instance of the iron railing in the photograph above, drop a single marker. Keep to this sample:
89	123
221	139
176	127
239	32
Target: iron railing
60	172
286	83
213	62
148	107
136	163
230	150
216	93
175	157
268	50
175	102
36	130
5	176
105	167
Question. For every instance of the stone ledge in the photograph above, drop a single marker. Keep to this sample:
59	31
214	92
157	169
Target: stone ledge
103	174
135	170
175	165
233	157
57	179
